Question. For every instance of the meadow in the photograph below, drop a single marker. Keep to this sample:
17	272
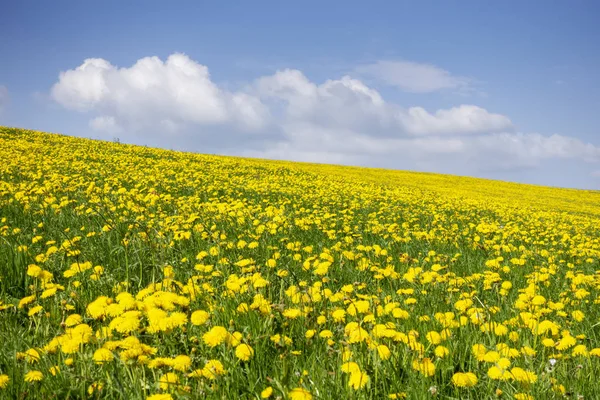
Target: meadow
129	272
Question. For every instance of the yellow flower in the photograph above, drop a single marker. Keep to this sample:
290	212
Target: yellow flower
103	355
215	336
326	334
424	366
160	396
358	380
33	270
523	396
578	315
566	342
299	394
491	356
521	375
580	350
498	373
35	310
199	317
244	352
310	333
213	369
4	379
464	379
181	363
32	356
384	352
350	367
441	351
434	338
479	351
72	320
95	387
339	315
292	313
34	376
265	394
168	380
26	301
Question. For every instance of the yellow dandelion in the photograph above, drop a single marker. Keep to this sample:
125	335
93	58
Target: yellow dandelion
215	336
464	379
34	376
299	394
244	352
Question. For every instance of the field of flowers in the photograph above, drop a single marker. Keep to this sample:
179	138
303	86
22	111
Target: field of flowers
135	273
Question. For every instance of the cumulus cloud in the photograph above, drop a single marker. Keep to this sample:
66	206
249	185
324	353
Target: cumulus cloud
464	119
349	103
106	124
291	117
414	77
4	97
176	92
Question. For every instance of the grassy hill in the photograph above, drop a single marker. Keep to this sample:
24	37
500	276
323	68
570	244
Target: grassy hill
133	272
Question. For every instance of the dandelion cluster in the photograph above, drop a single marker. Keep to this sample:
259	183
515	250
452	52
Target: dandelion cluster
139	273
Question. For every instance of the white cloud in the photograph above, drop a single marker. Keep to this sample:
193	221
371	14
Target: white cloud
415	77
176	92
464	119
337	121
105	124
4	97
349	103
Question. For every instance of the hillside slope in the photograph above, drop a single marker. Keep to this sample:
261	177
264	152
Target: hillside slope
133	272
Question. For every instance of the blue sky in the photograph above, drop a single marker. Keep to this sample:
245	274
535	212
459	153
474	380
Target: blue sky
508	90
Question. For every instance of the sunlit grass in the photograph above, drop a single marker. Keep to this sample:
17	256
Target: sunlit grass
131	272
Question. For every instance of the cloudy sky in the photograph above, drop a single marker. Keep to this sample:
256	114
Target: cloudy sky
505	90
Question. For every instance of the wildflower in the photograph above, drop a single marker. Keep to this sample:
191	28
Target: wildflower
35	310
32	356
384	352
433	337
160	396
424	366
441	351
350	367
292	313
181	363
464	379
215	336
94	387
338	315
358	380
266	393
326	334
199	317
4	379
523	396
299	394
213	369
168	380
521	375
498	373
26	301
72	320
244	352
34	376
